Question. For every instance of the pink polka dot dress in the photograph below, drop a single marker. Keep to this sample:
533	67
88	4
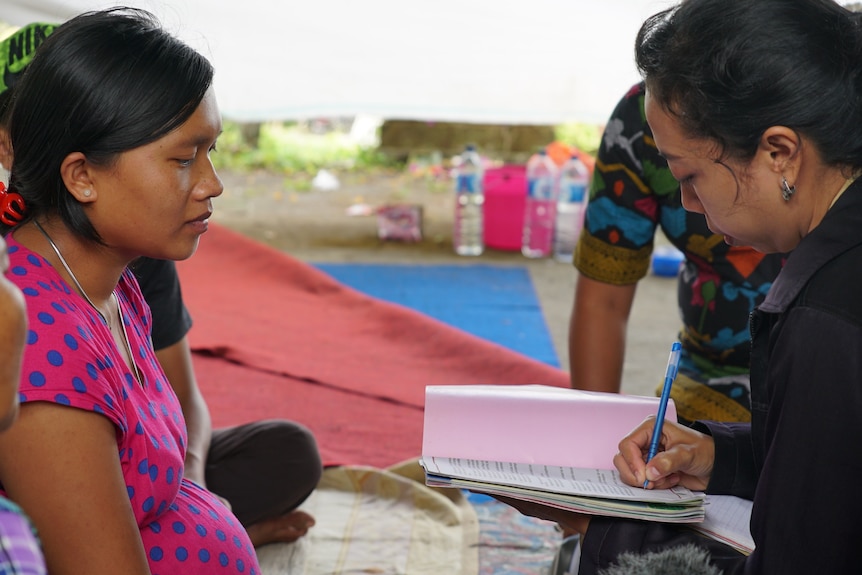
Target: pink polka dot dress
71	359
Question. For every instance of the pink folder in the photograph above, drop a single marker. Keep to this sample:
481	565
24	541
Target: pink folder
531	423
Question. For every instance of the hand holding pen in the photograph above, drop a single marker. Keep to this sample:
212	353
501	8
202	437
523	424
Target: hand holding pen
670	375
688	455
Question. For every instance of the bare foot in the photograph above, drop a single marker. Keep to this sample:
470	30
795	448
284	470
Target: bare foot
282	529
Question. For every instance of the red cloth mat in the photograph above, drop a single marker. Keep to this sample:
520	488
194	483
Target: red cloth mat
275	337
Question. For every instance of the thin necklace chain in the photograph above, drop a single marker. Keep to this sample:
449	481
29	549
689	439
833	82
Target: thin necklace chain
72	275
89	301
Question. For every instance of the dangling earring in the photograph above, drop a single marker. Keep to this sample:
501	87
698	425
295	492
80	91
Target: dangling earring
786	189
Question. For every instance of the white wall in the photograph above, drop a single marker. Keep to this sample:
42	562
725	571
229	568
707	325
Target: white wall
503	61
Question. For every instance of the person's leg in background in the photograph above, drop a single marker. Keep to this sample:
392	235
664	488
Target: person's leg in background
266	469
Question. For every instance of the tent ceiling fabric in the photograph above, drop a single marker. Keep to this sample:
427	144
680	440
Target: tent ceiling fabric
483	61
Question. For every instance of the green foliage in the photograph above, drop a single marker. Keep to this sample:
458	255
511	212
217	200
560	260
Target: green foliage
585	137
292	149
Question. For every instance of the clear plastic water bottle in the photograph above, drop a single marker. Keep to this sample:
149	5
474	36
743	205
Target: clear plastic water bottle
467	236
571	203
541	208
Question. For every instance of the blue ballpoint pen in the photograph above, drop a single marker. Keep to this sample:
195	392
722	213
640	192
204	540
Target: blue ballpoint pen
672	368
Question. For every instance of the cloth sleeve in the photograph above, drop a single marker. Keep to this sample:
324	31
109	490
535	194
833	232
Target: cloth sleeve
71	360
734	468
623	212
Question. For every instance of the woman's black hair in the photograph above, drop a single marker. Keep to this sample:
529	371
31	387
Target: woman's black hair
103	83
730	69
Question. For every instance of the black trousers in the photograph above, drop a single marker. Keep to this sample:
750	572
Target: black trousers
264	469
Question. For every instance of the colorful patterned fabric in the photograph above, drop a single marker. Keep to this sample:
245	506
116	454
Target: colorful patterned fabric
71	359
633	193
19	548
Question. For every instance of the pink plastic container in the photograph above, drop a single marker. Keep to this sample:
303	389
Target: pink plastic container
505	199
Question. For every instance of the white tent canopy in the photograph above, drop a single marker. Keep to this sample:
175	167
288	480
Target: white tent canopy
503	61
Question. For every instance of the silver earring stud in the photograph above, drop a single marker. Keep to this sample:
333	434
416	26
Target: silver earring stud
87	193
786	189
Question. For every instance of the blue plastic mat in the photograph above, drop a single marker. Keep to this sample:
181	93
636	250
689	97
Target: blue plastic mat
496	303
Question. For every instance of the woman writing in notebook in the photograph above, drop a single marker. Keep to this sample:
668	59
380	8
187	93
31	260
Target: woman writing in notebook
112	129
757	107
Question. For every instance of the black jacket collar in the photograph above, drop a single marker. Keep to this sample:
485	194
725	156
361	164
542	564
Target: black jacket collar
840	230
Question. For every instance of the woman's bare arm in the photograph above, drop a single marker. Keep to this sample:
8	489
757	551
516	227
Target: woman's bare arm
61	465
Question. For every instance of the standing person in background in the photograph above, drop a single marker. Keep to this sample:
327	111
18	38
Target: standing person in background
262	470
19	548
112	127
633	193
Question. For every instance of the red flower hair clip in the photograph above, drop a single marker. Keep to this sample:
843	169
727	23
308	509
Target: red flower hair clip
11	206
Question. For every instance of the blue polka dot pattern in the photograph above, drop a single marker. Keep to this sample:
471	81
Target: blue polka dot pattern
79	385
55	358
45	318
71	359
70	341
